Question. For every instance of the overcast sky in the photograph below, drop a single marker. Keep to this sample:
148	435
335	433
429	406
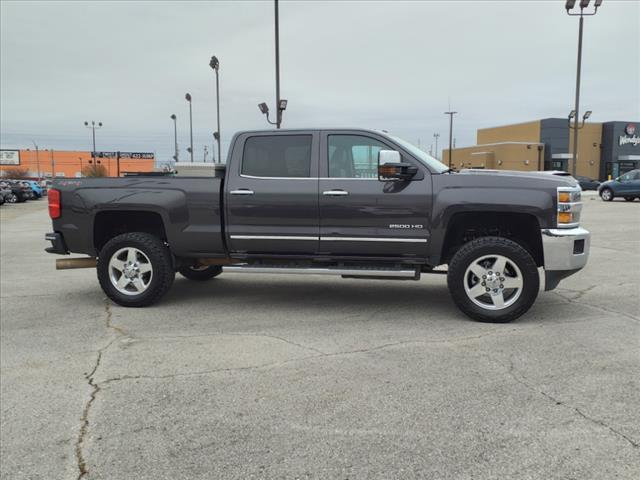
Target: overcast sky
384	65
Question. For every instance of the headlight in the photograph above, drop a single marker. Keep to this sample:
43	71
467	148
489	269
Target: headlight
569	206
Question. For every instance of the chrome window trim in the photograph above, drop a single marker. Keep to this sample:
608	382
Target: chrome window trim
277	178
254	177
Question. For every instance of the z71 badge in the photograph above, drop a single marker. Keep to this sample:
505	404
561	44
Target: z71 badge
406	225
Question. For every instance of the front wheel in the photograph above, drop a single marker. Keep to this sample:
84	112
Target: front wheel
13	198
606	194
200	274
493	279
135	269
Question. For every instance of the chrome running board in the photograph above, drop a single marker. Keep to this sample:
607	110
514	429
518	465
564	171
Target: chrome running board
355	272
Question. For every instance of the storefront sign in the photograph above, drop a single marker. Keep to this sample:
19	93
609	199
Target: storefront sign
134	155
9	157
630	136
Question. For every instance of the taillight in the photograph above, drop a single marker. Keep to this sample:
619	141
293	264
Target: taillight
54	203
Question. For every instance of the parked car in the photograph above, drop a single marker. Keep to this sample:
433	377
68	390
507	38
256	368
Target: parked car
36	188
626	186
352	203
5	192
18	192
26	188
587	183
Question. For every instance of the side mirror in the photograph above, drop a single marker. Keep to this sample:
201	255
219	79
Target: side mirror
391	167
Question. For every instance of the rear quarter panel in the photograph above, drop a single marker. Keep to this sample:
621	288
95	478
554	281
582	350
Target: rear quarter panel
189	207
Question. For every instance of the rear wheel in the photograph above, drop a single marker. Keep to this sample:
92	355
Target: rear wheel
13	198
135	269
606	194
493	279
202	273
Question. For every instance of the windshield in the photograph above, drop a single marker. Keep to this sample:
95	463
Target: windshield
424	157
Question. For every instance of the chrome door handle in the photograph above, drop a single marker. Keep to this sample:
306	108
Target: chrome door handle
241	191
335	193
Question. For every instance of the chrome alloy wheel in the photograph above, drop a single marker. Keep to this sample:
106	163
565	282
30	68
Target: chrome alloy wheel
493	282
606	195
130	271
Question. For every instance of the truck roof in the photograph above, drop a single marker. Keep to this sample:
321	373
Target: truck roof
289	130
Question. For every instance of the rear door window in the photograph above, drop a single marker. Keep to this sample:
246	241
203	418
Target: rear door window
287	156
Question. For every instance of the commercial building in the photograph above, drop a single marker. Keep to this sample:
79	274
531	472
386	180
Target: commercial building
605	150
59	163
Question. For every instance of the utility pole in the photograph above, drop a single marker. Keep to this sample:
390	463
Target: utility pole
451	114
37	160
436	135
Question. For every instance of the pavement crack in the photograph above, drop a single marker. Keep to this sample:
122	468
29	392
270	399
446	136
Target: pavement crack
522	380
217	334
95	388
308	357
595	307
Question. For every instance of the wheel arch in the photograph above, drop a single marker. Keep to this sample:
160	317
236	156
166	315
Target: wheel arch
110	223
522	228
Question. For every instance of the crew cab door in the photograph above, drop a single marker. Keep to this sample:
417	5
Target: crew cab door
360	215
271	193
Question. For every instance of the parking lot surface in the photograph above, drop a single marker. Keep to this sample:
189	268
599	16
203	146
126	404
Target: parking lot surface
312	377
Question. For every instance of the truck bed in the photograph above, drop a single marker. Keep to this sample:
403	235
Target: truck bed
190	209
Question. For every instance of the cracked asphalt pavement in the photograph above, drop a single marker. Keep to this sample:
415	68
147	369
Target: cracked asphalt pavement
312	377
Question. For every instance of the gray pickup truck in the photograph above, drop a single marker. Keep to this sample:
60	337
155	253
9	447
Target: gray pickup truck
349	202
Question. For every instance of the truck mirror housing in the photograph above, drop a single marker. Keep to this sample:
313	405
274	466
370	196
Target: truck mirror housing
391	167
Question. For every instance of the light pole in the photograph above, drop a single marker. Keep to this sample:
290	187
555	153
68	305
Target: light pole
93	127
281	104
451	114
175	136
188	99
37	160
215	65
568	7
436	135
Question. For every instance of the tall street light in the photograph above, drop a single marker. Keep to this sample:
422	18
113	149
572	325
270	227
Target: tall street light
93	127
281	104
188	99
215	65
451	114
436	136
175	136
568	7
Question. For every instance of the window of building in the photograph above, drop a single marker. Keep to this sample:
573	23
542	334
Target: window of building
277	156
354	156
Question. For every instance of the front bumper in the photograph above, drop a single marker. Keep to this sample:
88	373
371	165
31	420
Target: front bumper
57	244
566	251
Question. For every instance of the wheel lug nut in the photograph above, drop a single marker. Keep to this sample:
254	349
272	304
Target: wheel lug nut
484	283
490	273
495	290
484	277
501	286
488	289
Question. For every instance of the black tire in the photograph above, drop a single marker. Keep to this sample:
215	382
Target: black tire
629	199
13	198
200	274
159	257
606	194
485	247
